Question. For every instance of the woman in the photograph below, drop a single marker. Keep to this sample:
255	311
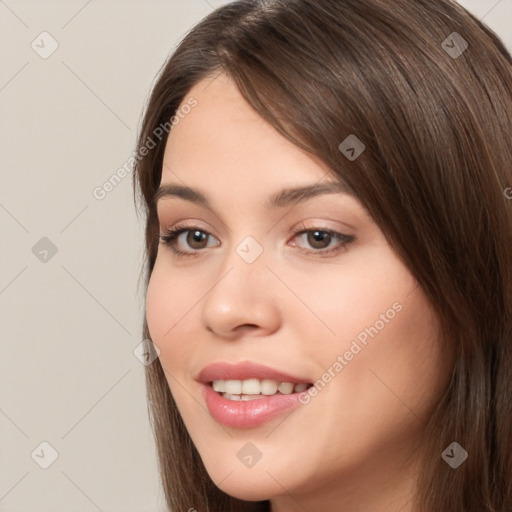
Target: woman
329	264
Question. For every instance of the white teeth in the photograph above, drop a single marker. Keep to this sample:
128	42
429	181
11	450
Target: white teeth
218	385
268	387
233	387
243	398
231	397
251	389
247	398
285	388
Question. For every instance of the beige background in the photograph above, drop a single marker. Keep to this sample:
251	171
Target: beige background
71	320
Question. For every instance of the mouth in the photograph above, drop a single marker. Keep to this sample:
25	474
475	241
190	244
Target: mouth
255	389
248	394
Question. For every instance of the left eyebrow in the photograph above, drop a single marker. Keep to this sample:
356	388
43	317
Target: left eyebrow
285	197
292	196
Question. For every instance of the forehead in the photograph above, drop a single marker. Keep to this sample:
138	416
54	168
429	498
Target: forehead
223	139
223	155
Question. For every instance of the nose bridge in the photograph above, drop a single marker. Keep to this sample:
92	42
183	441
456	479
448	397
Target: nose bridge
241	273
241	295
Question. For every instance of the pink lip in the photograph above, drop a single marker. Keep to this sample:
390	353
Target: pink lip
240	414
243	371
246	414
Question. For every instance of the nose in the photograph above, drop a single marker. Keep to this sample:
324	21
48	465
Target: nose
242	300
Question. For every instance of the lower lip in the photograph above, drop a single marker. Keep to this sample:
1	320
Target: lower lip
246	414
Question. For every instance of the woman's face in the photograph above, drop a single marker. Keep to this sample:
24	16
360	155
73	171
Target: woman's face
270	282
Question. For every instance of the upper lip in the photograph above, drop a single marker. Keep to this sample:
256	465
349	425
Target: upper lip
243	371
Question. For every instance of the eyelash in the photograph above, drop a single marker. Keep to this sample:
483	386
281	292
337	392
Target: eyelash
170	236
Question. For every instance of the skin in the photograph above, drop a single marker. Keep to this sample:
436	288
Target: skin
352	448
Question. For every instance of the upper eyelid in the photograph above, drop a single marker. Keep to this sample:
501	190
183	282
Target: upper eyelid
178	226
163	213
293	197
189	223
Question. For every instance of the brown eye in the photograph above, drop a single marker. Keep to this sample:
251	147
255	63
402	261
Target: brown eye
319	239
322	242
196	238
185	241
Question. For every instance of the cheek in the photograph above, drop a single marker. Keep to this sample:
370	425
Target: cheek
366	298
169	308
372	314
157	306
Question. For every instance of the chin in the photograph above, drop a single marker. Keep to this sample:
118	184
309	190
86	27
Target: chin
250	489
247	484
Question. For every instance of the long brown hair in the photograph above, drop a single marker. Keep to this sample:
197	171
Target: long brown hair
428	89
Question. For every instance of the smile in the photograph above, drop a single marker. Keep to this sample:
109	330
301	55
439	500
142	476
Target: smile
245	395
255	389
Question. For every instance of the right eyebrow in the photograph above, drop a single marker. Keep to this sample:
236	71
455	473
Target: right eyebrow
187	193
